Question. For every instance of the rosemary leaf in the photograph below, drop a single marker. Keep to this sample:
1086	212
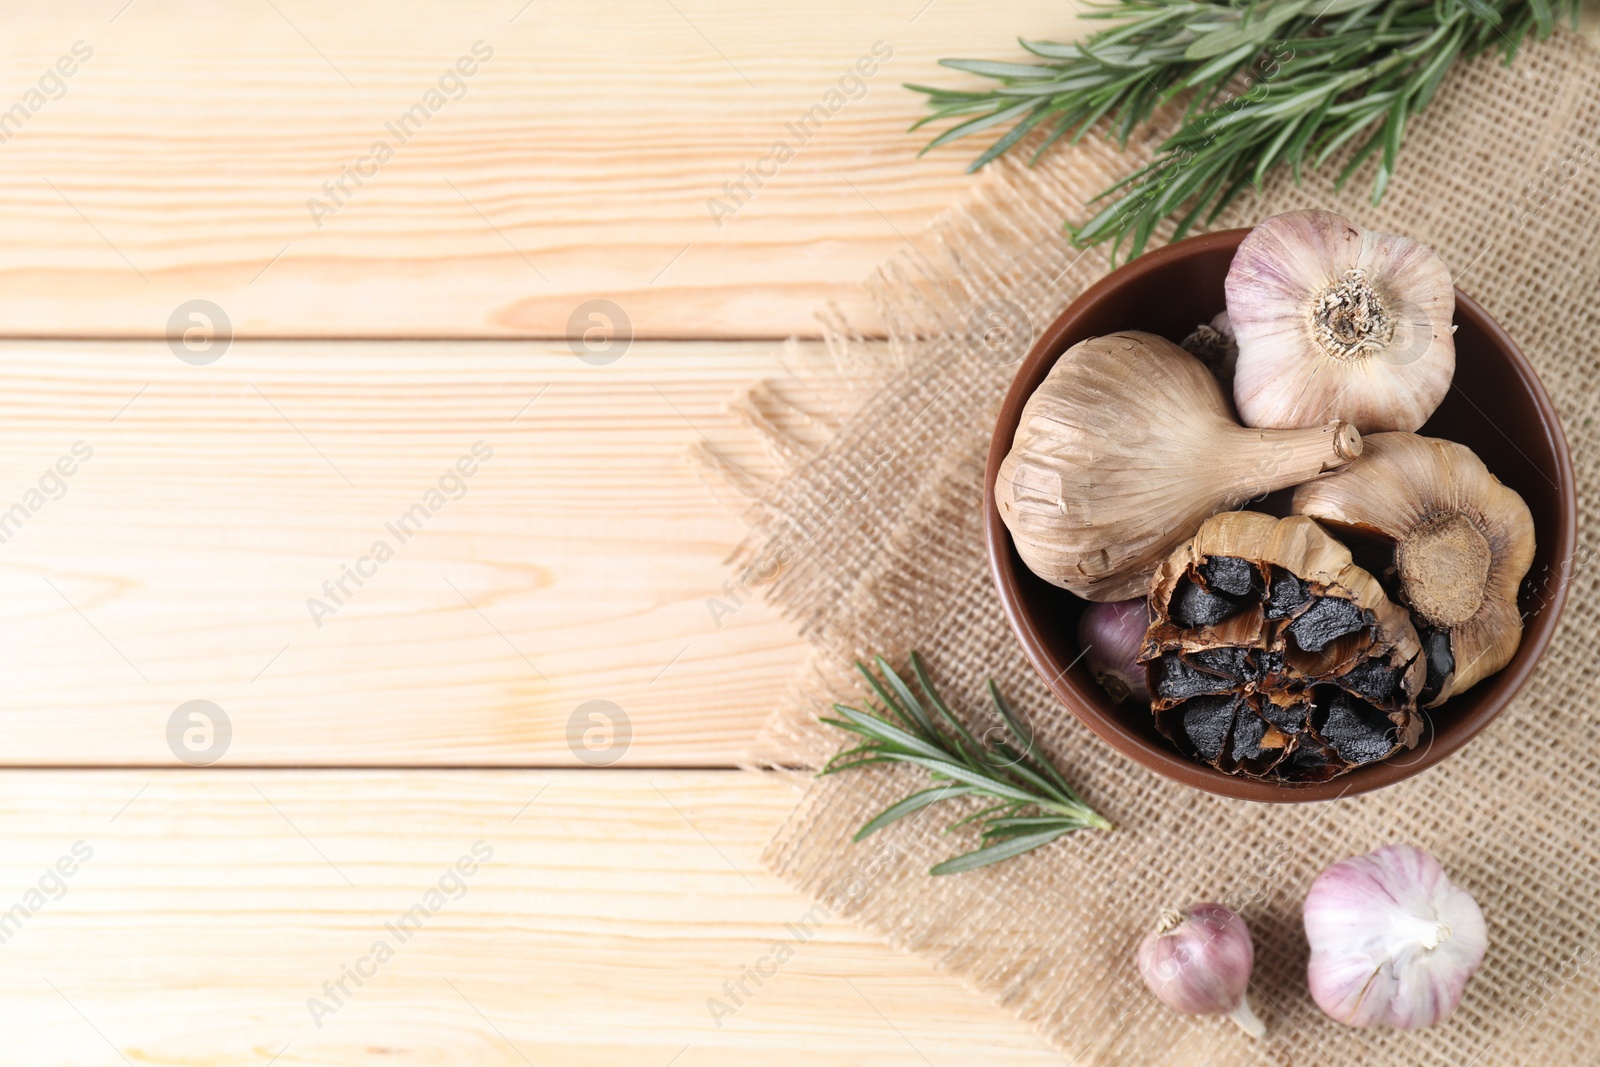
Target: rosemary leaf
1001	850
1271	83
981	814
911	804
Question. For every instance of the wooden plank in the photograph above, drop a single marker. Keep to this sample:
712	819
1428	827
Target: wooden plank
186	559
205	909
181	158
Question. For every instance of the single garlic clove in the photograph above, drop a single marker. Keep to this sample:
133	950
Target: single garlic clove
1463	543
1393	940
1336	322
1198	962
1124	449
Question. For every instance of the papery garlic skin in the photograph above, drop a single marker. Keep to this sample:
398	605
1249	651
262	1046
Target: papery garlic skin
1393	940
1198	962
1336	322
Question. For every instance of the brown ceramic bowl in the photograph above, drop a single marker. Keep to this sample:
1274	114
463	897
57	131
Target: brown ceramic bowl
1496	407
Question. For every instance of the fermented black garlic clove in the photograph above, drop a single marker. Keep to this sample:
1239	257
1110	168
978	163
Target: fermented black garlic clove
1290	719
1285	594
1231	576
1194	606
1441	663
1255	745
1358	732
1374	680
1206	723
1325	621
1310	763
1173	679
1231	663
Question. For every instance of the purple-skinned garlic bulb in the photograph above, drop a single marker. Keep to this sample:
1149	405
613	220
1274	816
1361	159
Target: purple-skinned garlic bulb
1111	633
1393	940
1198	961
1336	322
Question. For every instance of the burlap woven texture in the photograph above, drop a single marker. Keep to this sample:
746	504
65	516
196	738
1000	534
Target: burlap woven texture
878	531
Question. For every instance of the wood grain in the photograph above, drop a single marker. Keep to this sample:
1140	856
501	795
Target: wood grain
613	906
576	162
181	561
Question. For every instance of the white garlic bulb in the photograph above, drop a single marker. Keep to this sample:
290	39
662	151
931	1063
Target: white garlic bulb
1393	940
1337	322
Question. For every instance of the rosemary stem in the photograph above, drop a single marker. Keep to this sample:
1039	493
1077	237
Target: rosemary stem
1009	770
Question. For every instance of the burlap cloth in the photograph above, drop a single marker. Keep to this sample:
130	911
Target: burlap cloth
870	538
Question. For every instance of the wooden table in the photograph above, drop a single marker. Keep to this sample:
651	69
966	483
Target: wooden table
245	344
356	326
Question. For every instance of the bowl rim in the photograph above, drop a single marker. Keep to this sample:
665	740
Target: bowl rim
1090	708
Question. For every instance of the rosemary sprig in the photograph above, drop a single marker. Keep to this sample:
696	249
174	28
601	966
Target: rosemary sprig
1271	82
1011	771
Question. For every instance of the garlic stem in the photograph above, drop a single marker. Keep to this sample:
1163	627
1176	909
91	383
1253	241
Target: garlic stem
1171	919
1297	456
1422	932
1246	1019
